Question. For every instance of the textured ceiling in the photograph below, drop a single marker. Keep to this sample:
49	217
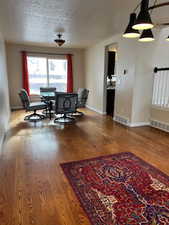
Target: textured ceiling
83	22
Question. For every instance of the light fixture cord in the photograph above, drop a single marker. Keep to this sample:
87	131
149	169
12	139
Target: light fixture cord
140	4
155	1
137	7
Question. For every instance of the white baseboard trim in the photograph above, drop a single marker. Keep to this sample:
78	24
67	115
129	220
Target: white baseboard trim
3	133
96	110
2	137
2	140
139	124
121	120
125	121
160	125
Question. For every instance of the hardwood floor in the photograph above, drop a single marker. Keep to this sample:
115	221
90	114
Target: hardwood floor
33	188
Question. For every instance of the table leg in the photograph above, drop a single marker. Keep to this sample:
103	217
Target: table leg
50	109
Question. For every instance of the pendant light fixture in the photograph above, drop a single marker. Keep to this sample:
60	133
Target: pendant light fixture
167	39
59	41
143	21
146	36
130	32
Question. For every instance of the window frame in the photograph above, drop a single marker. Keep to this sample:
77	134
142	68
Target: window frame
47	57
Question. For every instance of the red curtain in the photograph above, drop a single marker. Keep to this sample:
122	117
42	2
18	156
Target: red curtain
25	74
69	73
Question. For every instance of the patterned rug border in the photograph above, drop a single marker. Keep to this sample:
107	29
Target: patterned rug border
144	163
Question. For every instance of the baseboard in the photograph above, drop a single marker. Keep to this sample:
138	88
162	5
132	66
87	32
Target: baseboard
3	131
159	125
121	120
96	110
2	137
125	121
139	124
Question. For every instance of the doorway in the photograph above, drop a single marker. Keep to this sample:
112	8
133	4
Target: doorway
110	78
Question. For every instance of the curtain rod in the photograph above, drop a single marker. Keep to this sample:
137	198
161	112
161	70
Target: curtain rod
160	69
46	53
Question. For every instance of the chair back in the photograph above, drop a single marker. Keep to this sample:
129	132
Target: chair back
82	97
65	103
24	98
47	89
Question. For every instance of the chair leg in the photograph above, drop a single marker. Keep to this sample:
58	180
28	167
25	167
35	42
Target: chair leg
77	113
49	112
34	117
64	119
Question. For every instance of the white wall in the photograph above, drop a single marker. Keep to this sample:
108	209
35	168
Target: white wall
142	92
94	80
94	76
150	55
134	90
161	59
15	67
4	96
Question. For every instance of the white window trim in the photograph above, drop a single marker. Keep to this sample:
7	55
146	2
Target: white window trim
47	57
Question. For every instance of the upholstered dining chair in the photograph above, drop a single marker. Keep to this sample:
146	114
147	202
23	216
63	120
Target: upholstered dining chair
65	103
82	99
32	106
48	100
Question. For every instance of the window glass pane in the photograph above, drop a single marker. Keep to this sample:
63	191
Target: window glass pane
37	68
58	74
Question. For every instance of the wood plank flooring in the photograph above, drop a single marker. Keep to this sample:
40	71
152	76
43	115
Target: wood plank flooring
33	188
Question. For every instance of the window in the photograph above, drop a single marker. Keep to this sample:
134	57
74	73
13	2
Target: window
47	72
161	89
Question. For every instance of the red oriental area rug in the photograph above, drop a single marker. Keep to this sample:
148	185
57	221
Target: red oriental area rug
120	189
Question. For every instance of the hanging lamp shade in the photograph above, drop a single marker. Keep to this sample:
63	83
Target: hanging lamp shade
130	32
147	36
167	39
143	21
59	41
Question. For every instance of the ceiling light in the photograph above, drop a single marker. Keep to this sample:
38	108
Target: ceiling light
167	39
147	36
143	21
59	41
130	32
